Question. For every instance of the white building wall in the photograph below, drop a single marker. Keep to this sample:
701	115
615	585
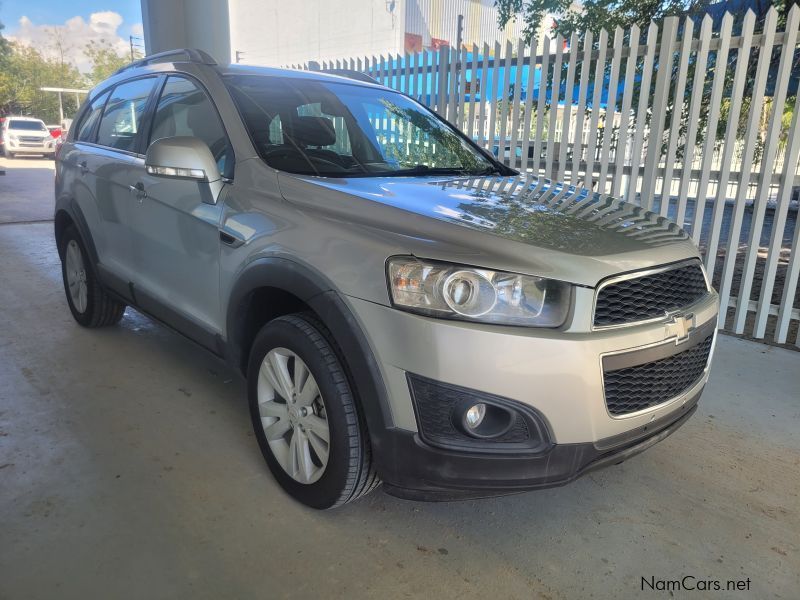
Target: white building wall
203	24
281	32
439	19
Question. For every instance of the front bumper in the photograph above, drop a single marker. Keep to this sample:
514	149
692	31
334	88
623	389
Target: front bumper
19	147
559	373
422	472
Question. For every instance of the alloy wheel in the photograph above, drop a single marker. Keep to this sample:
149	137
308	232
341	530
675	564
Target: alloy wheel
293	415
76	276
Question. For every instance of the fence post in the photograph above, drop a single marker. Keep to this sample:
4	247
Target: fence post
660	96
641	114
594	117
753	119
768	158
540	105
737	90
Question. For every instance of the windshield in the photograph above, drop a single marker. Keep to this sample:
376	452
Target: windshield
344	130
26	125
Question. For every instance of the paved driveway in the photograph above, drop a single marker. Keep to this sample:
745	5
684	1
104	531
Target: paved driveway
26	190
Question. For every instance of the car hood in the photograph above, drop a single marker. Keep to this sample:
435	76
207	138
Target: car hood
526	221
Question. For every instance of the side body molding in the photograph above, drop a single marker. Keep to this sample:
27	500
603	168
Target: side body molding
320	294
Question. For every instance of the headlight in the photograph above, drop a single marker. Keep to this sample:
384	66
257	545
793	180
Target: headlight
457	292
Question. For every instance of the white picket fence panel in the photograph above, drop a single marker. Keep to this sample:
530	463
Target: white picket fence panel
620	113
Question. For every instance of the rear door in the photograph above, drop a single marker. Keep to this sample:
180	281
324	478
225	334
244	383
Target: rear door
175	233
114	163
76	167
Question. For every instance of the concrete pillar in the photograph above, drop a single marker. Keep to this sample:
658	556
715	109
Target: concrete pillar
202	24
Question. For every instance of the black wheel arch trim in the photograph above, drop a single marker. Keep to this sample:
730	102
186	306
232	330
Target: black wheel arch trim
74	213
314	289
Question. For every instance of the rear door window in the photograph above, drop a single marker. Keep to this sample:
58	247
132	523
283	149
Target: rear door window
86	129
120	125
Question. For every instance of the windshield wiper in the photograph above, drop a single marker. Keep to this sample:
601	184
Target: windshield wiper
490	170
423	170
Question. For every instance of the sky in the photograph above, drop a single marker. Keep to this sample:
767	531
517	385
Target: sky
32	21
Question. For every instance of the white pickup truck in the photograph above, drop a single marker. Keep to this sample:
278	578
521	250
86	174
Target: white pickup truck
27	135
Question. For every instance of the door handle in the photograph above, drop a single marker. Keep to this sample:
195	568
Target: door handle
138	189
83	167
230	239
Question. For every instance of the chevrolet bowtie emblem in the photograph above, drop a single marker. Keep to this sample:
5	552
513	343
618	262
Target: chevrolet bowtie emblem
679	327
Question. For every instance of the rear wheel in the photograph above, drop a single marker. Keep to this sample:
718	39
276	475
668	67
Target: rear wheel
89	304
305	416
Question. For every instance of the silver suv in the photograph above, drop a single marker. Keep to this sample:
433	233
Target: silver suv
405	309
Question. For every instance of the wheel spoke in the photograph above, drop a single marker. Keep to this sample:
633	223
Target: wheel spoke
81	297
301	375
309	392
270	408
319	426
281	452
280	370
272	377
275	430
320	446
294	458
72	257
304	457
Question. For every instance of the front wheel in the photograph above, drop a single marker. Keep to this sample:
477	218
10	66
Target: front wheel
304	414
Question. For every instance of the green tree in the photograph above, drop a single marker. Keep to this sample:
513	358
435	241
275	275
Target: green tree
5	50
592	15
105	60
23	75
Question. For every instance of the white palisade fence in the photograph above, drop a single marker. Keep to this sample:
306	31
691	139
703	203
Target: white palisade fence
694	119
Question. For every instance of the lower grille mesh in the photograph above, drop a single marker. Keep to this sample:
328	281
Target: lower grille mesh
643	386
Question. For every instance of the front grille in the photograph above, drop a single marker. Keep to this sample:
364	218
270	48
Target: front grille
31	140
649	296
643	386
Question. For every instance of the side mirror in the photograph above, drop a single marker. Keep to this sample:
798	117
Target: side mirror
184	157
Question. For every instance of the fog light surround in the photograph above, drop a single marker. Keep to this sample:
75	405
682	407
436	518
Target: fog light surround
507	426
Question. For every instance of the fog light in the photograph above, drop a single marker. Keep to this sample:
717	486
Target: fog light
474	416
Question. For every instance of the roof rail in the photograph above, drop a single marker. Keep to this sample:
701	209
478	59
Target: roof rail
178	55
350	74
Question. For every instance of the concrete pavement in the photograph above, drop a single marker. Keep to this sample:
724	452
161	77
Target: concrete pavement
26	190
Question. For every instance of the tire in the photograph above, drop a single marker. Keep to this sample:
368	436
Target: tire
286	345
89	304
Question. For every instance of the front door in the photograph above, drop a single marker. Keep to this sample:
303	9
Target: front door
175	233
